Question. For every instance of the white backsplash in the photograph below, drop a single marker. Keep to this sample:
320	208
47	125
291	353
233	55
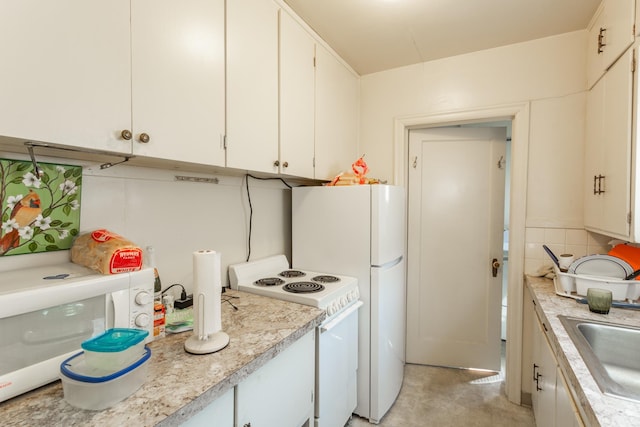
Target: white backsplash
150	207
578	242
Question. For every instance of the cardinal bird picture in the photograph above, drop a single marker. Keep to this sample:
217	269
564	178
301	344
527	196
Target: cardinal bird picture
39	206
24	213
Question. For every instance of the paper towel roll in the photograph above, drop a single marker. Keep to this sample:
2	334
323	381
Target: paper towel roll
207	319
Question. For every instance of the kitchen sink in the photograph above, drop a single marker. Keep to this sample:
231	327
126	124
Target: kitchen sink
611	352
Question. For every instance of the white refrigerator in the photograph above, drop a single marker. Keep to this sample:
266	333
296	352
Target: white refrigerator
360	231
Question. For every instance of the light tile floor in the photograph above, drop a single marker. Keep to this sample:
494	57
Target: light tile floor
445	397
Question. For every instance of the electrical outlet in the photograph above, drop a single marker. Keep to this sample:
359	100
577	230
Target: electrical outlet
184	303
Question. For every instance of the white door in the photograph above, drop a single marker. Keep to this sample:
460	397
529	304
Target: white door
456	220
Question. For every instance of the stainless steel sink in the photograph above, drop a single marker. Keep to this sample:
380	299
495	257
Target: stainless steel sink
611	352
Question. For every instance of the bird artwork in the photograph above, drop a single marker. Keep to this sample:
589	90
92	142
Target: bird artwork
24	213
39	206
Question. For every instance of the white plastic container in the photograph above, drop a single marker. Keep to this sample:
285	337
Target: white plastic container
86	387
621	290
115	349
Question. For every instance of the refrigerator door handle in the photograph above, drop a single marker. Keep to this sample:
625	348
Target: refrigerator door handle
390	263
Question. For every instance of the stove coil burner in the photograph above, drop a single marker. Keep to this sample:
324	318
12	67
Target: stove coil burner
303	287
292	273
324	278
269	281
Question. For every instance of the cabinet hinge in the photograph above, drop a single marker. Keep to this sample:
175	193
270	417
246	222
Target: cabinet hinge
314	62
314	162
629	216
633	61
224	142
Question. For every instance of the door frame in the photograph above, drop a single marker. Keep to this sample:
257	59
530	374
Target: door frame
519	116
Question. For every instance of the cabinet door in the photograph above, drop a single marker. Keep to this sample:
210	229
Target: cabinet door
219	413
611	33
65	74
297	83
618	29
281	392
566	412
336	124
608	151
595	50
617	122
252	85
594	151
178	79
543	392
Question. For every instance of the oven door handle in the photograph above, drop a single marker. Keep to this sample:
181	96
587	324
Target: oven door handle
339	318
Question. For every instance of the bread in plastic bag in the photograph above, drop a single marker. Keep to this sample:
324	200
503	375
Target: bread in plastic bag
106	252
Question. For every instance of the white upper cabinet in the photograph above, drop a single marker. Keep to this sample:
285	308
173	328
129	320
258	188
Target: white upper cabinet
177	53
337	95
65	73
608	151
98	75
611	32
252	85
297	98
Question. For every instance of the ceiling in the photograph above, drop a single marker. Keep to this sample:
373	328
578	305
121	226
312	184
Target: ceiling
377	35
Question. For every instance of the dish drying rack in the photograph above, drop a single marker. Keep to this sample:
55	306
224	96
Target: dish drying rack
625	293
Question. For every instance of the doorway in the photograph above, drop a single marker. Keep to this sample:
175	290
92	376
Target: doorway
456	192
518	114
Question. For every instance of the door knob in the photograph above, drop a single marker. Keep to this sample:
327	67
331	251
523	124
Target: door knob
495	265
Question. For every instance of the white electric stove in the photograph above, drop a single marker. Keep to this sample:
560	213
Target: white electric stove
336	337
272	277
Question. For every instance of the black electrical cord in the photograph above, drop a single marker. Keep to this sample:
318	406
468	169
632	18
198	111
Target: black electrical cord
251	206
183	294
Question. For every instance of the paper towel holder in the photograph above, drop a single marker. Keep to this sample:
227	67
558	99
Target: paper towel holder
207	332
205	343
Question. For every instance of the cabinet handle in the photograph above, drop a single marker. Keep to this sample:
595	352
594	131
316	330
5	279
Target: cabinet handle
276	163
247	425
535	368
601	43
597	184
285	165
144	138
126	134
538	388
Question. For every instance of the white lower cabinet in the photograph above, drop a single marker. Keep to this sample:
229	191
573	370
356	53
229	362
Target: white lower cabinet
216	414
550	394
281	392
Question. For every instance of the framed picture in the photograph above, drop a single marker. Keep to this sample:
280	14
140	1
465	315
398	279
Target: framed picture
38	213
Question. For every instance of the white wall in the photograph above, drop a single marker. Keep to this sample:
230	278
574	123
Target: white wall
548	73
149	207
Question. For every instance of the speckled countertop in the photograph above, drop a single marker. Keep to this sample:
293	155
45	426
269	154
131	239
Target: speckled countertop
181	384
598	409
